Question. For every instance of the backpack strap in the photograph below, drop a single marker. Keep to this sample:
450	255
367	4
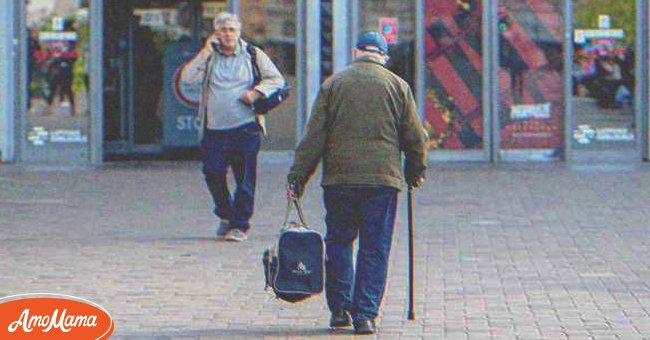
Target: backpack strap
252	51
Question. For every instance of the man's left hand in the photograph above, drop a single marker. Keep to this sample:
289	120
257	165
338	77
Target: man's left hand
416	182
250	96
295	186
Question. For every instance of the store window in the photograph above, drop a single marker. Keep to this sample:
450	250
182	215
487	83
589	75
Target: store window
146	107
57	119
271	25
396	21
603	75
531	76
454	66
147	43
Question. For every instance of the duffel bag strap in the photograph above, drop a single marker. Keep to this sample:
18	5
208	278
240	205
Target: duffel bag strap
295	202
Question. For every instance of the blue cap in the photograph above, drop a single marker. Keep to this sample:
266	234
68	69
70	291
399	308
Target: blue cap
373	42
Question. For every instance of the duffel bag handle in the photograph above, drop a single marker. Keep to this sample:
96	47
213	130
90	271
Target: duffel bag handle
296	202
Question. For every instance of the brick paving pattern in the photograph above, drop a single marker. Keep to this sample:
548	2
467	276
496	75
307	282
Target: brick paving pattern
537	251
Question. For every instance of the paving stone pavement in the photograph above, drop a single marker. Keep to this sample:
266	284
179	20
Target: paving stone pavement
520	251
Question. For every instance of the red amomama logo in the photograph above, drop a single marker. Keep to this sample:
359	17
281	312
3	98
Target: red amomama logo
52	316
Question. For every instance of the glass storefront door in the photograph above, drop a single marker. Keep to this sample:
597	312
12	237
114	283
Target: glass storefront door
271	25
603	73
454	74
531	79
145	45
57	118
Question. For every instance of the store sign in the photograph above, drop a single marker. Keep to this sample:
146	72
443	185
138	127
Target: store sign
180	100
157	17
57	44
57	36
388	27
542	111
581	36
586	134
38	136
614	134
212	8
68	136
58	23
150	17
604	22
187	94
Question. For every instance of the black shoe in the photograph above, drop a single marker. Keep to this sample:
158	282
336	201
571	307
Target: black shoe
365	327
340	318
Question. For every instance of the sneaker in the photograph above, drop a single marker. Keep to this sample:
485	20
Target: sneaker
224	226
235	235
340	318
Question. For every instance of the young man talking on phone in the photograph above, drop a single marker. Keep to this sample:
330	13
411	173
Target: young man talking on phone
228	131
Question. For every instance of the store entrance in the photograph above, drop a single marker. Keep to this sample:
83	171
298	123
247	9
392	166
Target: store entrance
137	34
147	109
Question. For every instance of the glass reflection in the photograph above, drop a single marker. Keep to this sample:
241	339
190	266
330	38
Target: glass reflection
57	78
603	75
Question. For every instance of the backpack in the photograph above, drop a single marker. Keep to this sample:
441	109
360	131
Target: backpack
265	104
294	266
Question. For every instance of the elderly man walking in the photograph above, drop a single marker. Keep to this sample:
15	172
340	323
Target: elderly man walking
363	119
229	132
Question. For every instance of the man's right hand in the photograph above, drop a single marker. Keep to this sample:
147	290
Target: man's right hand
416	182
212	39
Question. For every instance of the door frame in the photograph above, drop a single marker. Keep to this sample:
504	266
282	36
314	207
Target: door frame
8	81
640	92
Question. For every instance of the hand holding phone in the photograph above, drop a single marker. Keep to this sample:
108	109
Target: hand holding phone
212	42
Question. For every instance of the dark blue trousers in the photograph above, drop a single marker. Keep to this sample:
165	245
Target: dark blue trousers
369	213
236	148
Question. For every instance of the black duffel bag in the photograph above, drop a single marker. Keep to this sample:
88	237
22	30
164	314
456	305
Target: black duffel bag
265	104
294	266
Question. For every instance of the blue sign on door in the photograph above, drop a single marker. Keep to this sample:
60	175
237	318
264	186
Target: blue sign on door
180	100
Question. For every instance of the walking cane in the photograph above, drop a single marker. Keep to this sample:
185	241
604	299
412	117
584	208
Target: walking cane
411	313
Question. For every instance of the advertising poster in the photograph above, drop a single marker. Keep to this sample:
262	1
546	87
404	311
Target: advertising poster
531	92
531	79
180	100
454	63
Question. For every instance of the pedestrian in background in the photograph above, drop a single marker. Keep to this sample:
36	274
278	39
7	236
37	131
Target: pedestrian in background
363	119
229	133
60	77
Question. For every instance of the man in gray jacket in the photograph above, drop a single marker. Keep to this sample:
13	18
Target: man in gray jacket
363	119
228	132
